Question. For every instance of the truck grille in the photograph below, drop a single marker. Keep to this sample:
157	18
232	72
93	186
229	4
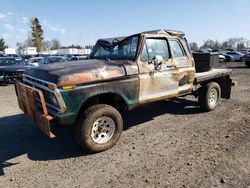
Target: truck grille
47	93
11	76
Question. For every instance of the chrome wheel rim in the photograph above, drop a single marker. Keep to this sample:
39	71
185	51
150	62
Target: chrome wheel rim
103	129
213	97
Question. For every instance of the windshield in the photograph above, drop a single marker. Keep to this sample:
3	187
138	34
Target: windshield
34	60
11	62
125	49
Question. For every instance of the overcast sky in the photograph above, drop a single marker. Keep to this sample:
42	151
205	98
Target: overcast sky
83	22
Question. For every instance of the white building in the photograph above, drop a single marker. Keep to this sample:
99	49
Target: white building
51	52
29	51
10	51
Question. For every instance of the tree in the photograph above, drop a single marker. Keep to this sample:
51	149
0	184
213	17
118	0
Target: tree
37	34
2	44
28	42
89	46
20	47
194	46
47	45
248	43
225	45
55	44
231	43
72	46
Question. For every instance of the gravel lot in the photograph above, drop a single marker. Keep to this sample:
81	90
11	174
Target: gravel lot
165	144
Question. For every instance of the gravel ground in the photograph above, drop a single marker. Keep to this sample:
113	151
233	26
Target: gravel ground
165	144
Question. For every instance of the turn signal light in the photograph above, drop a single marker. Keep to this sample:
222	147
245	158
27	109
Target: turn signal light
52	87
68	87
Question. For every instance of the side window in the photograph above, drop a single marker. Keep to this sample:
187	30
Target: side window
154	47
176	48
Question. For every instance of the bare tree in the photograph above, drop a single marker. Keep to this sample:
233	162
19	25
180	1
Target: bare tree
28	42
194	46
20	47
55	44
47	45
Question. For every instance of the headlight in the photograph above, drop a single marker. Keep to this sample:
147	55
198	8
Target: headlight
53	99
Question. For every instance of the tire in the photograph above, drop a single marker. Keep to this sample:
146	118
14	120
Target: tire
99	128
209	96
247	64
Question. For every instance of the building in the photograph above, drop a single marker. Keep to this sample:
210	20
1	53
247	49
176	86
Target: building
29	51
10	51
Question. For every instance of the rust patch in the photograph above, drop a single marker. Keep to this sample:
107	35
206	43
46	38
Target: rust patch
158	98
190	75
178	76
98	74
26	96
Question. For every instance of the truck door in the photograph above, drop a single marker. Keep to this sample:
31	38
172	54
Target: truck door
186	70
156	71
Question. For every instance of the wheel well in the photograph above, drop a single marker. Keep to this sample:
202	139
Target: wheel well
111	99
225	84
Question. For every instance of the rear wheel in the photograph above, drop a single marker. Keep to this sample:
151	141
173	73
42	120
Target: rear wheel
247	64
209	96
99	128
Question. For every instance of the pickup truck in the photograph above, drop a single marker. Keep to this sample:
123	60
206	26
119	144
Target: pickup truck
120	74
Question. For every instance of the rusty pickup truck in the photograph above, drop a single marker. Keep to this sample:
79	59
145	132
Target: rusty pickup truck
120	74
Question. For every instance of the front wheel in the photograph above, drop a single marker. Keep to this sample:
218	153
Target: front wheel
209	96
99	128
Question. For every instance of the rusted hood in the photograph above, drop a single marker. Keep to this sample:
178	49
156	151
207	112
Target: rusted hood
83	71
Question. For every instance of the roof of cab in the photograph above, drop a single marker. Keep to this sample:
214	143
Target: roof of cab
165	31
109	41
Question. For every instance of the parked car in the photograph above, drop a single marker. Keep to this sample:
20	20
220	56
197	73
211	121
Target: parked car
34	61
222	58
237	55
246	58
229	58
53	59
11	68
77	58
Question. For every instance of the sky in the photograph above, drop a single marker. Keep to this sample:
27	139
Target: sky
83	22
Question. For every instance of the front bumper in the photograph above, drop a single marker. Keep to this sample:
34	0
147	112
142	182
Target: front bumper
27	102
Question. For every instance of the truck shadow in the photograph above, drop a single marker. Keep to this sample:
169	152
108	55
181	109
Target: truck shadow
18	135
177	106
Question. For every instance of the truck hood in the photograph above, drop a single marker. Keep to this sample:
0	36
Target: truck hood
79	72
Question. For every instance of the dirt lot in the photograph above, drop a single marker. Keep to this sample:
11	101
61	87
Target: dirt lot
165	144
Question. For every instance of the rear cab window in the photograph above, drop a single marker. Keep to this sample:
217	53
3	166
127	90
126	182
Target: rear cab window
176	48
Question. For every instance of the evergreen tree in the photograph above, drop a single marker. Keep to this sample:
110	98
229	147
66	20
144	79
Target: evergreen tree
2	45
37	34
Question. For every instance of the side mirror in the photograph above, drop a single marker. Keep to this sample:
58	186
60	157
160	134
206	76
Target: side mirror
158	60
